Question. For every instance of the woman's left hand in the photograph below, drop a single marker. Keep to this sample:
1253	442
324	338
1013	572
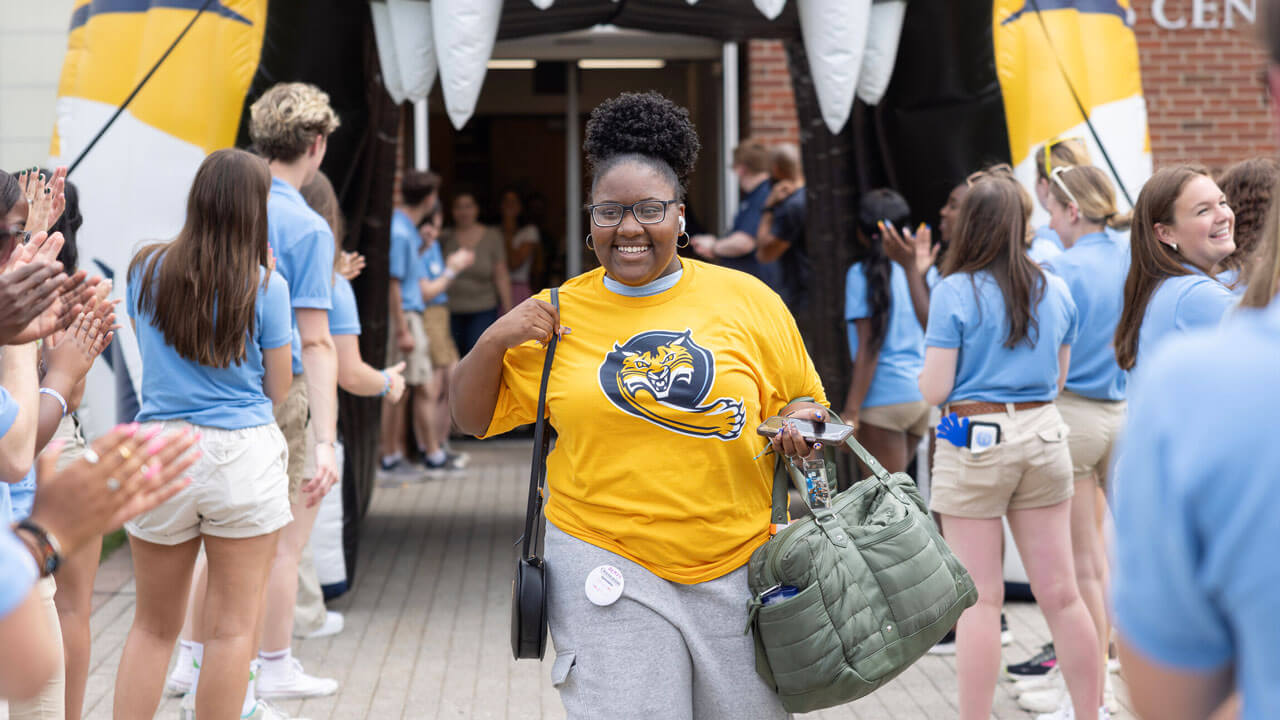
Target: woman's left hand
790	442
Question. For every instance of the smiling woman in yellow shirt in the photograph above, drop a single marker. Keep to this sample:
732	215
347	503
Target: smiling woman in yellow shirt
665	368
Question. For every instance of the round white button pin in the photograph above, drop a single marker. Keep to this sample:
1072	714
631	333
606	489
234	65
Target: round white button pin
604	585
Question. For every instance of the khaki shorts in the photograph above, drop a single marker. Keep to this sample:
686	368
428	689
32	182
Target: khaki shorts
239	488
1029	468
1095	425
68	431
294	418
909	417
417	362
435	320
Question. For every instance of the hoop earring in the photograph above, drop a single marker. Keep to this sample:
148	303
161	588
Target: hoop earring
591	245
686	237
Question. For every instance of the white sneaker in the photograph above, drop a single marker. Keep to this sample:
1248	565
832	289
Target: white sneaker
1050	679
1048	701
187	710
291	683
1109	701
184	673
262	710
1067	712
1113	665
333	624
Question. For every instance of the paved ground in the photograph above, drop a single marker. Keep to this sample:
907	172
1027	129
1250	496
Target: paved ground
427	631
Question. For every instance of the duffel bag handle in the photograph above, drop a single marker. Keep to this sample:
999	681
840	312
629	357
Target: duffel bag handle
781	479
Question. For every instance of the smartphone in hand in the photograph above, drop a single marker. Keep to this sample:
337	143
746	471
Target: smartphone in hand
825	433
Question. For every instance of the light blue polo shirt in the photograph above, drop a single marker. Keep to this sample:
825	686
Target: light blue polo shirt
405	264
18	572
1180	304
974	321
303	244
8	416
22	496
896	379
1229	278
1045	245
344	316
1095	269
231	398
1196	575
433	267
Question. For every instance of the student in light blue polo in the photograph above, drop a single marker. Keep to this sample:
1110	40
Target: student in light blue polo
997	350
214	331
1182	228
886	342
1195	528
290	125
1082	209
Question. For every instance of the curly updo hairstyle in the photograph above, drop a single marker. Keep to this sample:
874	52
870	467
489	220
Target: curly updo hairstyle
644	128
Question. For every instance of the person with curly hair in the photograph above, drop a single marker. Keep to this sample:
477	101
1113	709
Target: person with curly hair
1249	186
657	476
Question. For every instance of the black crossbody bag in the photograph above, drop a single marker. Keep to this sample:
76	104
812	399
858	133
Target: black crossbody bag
529	588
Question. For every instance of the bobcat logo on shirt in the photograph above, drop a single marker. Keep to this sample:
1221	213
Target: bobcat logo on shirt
664	377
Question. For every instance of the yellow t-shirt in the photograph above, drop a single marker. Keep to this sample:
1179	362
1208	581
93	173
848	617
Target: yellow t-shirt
656	401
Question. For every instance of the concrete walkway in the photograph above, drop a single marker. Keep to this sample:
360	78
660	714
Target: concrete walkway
427	625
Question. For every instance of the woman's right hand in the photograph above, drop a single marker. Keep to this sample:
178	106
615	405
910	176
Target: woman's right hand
396	389
913	252
136	470
532	319
460	259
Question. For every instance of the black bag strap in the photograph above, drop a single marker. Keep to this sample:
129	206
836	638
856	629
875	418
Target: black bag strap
781	470
541	445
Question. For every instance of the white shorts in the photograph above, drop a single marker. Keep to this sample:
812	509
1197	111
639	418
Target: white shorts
239	488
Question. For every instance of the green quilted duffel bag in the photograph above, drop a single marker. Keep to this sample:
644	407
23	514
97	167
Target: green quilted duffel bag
877	587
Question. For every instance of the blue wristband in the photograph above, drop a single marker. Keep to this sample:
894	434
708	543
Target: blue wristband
386	383
56	396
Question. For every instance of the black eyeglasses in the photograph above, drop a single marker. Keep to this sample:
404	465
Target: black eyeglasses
646	212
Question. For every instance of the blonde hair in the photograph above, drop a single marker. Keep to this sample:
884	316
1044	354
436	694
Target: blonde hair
286	120
320	195
1062	153
1091	191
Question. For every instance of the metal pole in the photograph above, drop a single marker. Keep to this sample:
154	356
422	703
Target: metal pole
573	178
728	132
421	136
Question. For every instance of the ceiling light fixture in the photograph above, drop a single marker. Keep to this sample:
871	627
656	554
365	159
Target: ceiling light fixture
512	64
622	64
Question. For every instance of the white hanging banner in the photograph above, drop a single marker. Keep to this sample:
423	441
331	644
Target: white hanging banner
835	35
883	33
465	31
387	58
414	45
770	8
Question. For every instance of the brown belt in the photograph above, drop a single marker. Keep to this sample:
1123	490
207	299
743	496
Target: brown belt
986	408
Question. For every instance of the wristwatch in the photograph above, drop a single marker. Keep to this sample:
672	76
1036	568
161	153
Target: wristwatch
50	549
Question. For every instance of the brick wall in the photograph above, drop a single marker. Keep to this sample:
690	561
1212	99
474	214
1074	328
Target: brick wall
773	105
1203	87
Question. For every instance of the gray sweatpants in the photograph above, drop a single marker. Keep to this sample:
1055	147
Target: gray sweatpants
662	650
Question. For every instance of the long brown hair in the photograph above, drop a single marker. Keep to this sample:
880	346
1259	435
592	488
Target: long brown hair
992	237
1151	261
213	264
320	195
1264	278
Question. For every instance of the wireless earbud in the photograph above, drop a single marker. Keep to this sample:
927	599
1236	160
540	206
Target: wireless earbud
681	223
